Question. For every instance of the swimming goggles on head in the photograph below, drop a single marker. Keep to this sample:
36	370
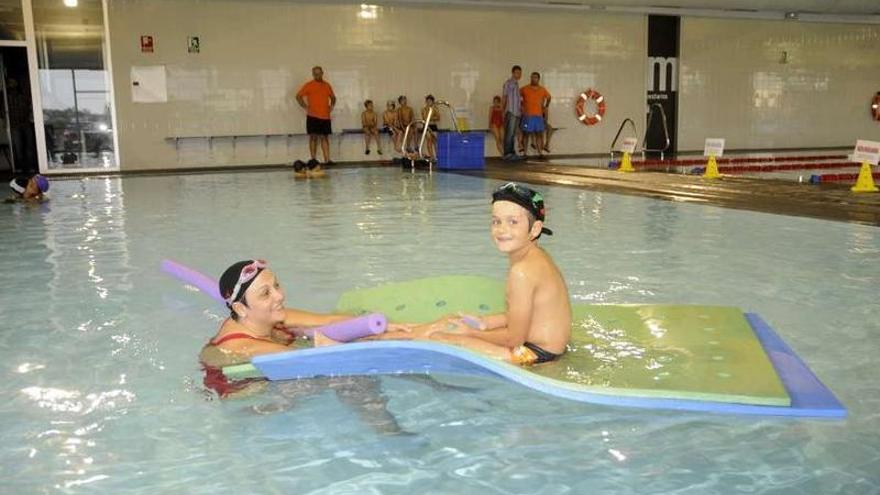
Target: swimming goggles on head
248	273
523	192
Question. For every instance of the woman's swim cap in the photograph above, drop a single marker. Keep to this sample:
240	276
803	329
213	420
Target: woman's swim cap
231	277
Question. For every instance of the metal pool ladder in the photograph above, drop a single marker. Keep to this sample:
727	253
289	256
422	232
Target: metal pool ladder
412	154
635	133
662	150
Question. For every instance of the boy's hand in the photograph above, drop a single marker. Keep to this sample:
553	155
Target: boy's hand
474	322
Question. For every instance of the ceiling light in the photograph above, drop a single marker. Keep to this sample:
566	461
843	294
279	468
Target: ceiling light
368	11
71	3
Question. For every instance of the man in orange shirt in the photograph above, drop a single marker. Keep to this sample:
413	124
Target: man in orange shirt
535	100
317	97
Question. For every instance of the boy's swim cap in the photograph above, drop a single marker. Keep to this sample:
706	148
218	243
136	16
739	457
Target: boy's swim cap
528	198
42	183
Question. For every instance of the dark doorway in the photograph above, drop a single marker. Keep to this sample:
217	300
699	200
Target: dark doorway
18	144
662	108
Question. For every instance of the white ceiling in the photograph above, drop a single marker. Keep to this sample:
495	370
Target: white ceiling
858	11
845	7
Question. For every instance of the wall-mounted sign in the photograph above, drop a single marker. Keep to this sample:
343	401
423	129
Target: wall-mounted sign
714	147
193	45
866	152
148	84
629	145
146	44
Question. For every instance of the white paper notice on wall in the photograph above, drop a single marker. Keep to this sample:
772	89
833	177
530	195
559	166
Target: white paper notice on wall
629	145
866	152
148	84
714	147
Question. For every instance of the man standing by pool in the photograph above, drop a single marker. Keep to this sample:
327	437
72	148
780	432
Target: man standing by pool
511	101
317	97
536	99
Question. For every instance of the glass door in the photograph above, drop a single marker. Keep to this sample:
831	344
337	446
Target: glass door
77	106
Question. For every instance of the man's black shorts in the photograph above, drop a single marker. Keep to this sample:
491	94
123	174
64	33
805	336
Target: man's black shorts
314	125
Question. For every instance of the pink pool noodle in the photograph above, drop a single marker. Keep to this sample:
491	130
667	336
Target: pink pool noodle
343	331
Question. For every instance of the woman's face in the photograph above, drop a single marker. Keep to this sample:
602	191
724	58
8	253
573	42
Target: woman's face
265	300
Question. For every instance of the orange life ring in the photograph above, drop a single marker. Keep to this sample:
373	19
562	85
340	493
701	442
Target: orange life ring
875	107
580	110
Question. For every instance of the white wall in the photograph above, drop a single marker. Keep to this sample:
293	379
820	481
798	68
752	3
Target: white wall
734	84
256	53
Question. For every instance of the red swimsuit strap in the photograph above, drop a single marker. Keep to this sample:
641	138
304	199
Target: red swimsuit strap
236	335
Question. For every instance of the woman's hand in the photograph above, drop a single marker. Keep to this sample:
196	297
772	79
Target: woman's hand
399	327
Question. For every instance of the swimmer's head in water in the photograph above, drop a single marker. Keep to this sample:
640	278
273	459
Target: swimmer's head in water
237	278
526	197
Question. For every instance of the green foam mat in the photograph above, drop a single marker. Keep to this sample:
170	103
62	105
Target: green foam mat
664	351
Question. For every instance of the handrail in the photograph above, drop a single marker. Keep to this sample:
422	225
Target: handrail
427	123
405	142
619	130
648	127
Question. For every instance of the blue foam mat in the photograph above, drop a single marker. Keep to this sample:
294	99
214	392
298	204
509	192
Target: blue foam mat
809	397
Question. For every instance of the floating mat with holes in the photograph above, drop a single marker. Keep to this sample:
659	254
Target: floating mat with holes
701	358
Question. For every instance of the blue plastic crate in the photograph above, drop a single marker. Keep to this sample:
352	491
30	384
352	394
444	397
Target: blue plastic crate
461	151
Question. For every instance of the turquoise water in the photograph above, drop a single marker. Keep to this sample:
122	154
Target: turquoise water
103	392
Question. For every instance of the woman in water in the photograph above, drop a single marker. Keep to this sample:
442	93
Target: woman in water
259	323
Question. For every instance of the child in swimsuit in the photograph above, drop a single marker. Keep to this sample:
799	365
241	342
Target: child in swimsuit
537	324
430	141
28	188
390	124
370	124
496	123
405	116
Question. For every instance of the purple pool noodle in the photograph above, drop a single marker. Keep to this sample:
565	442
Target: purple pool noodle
189	276
343	331
355	328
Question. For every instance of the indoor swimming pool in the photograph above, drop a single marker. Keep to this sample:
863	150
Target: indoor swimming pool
103	391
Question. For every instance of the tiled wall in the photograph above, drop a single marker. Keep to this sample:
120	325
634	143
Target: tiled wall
256	53
773	84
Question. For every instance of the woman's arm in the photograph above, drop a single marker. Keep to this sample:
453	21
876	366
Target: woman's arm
251	348
299	318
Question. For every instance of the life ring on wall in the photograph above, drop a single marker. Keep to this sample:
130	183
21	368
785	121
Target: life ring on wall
580	107
875	107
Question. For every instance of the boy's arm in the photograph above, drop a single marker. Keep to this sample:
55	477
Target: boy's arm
510	329
520	302
363	119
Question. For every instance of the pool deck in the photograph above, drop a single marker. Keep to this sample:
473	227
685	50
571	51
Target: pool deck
828	202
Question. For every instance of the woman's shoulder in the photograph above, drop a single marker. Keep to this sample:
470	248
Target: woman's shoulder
218	357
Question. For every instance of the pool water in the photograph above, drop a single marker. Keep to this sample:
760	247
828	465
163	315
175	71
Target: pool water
103	391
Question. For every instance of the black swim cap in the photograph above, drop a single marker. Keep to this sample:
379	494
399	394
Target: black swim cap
230	278
528	198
